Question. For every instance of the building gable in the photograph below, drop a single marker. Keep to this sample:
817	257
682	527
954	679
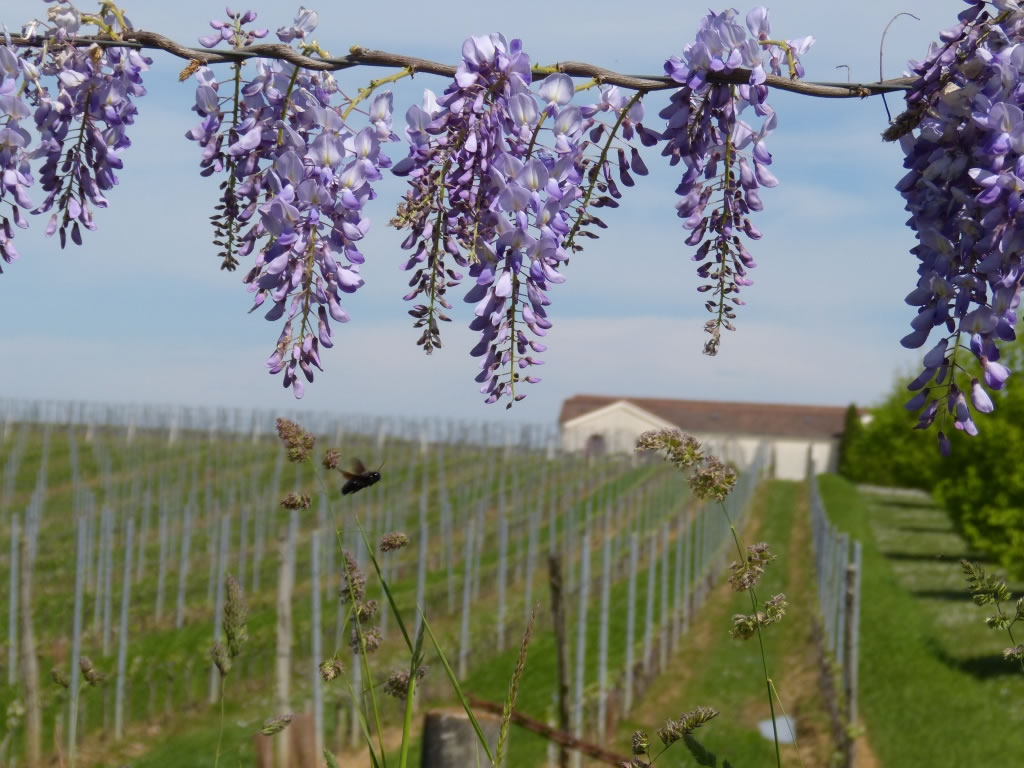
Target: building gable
715	417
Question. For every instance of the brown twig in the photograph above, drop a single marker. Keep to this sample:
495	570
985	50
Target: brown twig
562	648
359	56
553	734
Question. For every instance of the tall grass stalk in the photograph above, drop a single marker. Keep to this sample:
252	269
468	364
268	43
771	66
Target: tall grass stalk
220	733
760	642
425	626
414	666
513	691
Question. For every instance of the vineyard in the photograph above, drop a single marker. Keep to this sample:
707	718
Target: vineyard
120	532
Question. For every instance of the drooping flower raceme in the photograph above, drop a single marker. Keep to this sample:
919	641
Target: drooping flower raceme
15	169
502	179
724	157
493	194
81	100
298	180
963	136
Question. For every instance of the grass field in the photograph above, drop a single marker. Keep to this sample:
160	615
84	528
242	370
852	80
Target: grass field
711	669
928	663
168	667
935	690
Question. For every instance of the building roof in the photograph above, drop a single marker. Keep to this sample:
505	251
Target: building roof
706	416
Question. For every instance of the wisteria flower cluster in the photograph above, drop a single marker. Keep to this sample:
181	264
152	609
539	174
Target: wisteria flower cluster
505	174
297	180
724	157
489	195
81	101
963	136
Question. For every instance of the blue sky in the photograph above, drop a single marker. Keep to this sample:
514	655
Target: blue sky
142	313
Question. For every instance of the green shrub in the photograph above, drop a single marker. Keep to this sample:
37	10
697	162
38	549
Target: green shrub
982	487
888	450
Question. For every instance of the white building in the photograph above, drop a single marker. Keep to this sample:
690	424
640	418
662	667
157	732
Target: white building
598	424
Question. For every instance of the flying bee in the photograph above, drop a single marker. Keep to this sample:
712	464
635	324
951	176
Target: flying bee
359	478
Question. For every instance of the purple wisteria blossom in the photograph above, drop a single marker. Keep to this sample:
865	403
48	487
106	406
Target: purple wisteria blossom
963	136
725	159
15	168
81	101
298	178
493	171
503	174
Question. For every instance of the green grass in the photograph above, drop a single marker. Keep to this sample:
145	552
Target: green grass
161	714
935	690
712	669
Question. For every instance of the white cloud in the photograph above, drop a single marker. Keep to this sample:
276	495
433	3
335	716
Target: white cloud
379	370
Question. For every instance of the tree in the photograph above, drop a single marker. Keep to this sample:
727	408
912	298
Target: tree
985	499
852	429
984	496
506	173
887	450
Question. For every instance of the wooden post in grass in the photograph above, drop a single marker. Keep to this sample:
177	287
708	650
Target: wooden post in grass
355	733
163	552
634	547
581	635
243	538
147	504
450	741
108	579
663	616
76	632
12	605
652	575
499	620
852	607
421	565
29	660
282	668
602	653
467	588
531	554
299	740
122	636
96	534
223	545
687	529
677	589
562	649
186	534
315	631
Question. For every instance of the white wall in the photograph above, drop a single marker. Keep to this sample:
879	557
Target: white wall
791	456
620	424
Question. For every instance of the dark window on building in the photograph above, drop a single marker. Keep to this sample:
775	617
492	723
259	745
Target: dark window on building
595	446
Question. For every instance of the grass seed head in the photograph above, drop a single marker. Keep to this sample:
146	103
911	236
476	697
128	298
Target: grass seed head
331	669
354	587
235	615
298	441
391	542
221	659
276	724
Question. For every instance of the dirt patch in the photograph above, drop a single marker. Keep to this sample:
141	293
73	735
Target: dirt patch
392	738
705	630
864	755
799	666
